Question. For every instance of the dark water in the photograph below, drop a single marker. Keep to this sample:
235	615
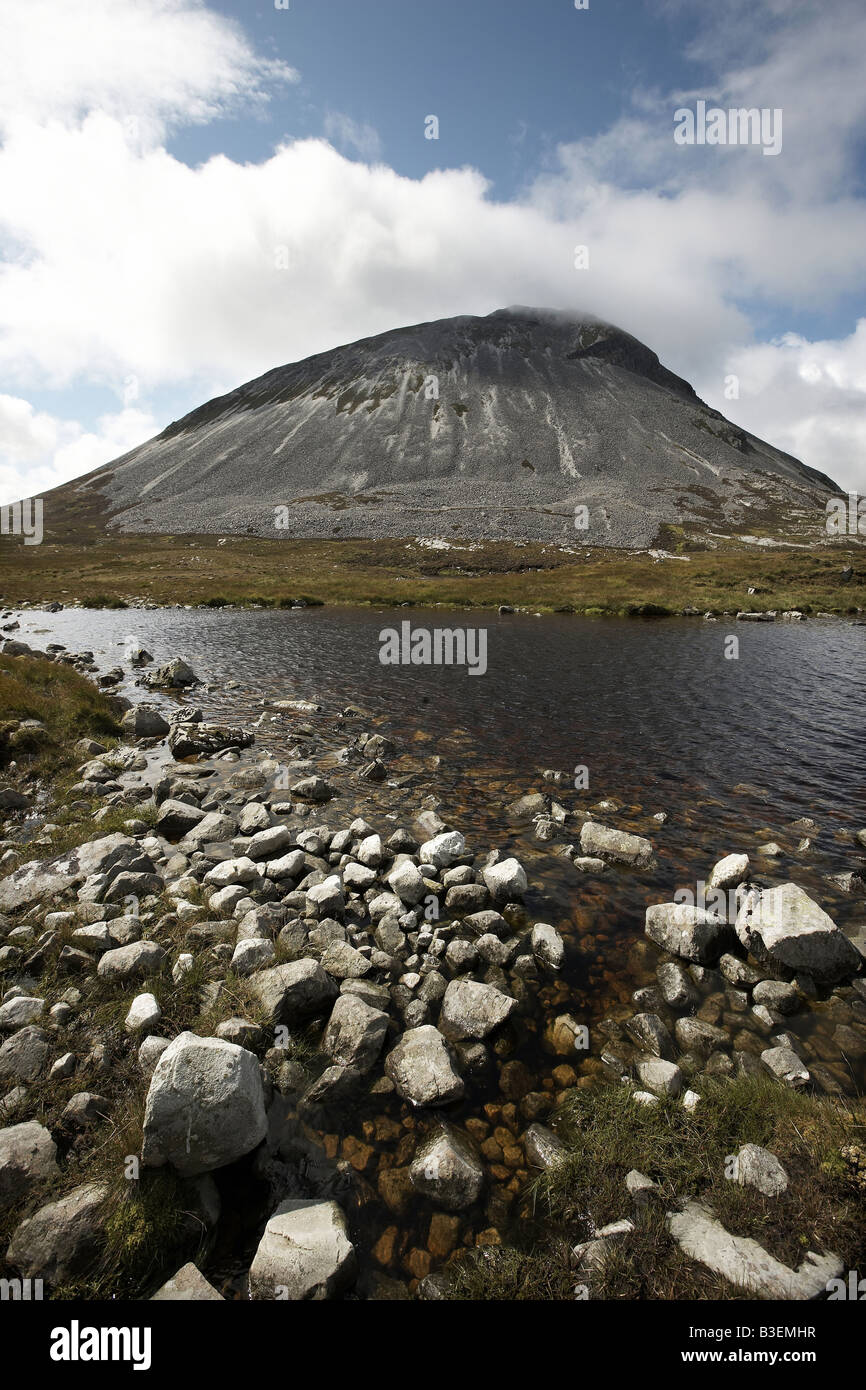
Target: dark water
734	751
653	709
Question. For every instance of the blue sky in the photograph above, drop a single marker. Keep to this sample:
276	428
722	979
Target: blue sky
158	158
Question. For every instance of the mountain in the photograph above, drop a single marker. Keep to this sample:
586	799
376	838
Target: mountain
469	428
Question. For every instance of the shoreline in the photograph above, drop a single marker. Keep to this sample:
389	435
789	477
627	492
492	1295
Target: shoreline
387	966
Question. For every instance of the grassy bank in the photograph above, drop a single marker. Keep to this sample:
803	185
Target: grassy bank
66	707
821	1143
202	569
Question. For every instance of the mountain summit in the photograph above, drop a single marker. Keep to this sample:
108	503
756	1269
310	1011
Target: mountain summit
527	424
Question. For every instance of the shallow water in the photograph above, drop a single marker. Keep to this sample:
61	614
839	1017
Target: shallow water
734	751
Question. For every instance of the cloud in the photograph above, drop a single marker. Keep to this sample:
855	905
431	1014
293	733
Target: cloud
827	380
150	65
42	451
123	262
347	134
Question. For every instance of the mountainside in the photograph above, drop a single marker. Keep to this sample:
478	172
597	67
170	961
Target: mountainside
470	428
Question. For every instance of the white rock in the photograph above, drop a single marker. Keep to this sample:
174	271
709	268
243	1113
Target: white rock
506	880
205	1106
144	1013
744	1262
443	849
252	953
305	1253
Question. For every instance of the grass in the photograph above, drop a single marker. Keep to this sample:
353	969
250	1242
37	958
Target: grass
820	1142
68	705
199	570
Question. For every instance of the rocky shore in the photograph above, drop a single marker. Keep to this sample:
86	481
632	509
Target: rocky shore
264	1038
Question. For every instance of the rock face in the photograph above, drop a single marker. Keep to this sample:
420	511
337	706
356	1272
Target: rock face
420	1067
205	1106
787	928
745	1262
447	1170
28	1157
305	1253
62	1238
586	406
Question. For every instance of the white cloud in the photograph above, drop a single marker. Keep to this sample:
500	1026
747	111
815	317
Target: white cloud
809	398
348	134
41	451
149	64
134	270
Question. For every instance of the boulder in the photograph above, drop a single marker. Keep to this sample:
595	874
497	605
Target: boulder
745	1263
304	1253
543	1148
133	962
406	881
447	1170
252	953
659	1077
547	947
205	1106
472	1010
443	849
177	818
46	880
17	1013
187	1286
61	1239
205	740
690	932
294	992
312	789
729	872
355	1033
144	721
421	1068
787	928
144	1014
783	1063
615	846
25	1055
28	1157
506	881
758	1168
